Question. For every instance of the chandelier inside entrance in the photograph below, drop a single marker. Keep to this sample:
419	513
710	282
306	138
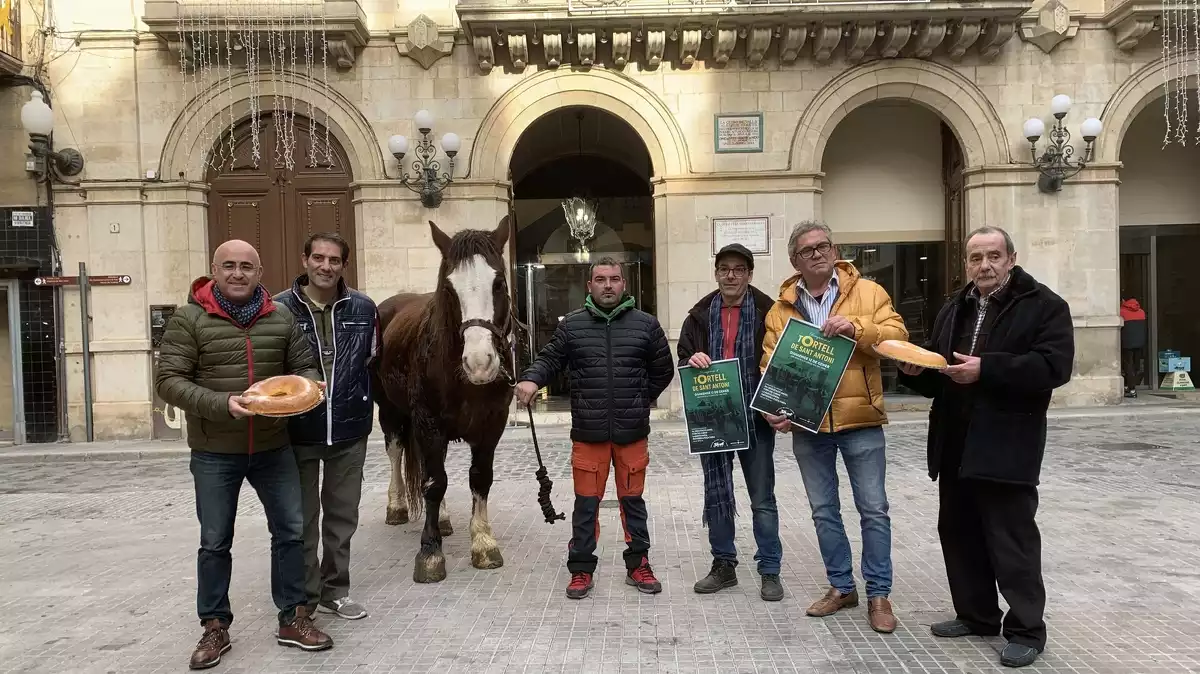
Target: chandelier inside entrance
273	44
581	220
1181	56
579	210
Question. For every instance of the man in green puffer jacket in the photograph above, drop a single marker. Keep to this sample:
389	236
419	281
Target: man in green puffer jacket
228	336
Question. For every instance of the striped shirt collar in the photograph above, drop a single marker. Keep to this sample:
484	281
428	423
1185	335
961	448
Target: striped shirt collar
833	285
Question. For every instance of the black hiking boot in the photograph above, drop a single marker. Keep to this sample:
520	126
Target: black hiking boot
721	576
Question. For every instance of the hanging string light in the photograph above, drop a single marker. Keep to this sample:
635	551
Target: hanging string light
1181	60
275	41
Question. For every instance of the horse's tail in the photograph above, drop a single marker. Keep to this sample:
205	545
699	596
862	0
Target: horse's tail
414	478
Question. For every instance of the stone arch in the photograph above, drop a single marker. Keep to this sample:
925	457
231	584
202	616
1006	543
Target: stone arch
533	97
210	111
942	90
1138	91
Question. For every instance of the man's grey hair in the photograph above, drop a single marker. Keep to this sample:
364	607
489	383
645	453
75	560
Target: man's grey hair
988	229
804	227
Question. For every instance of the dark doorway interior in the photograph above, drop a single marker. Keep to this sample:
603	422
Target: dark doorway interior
589	154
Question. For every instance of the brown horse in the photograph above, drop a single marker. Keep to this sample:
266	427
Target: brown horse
444	375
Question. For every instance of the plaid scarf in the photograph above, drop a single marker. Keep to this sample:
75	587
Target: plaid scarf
242	314
719	503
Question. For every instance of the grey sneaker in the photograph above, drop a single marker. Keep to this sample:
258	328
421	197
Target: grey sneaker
345	607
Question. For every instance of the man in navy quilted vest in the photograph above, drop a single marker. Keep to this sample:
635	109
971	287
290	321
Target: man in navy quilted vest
342	327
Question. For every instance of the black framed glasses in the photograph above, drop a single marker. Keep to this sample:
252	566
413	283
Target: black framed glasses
738	272
809	252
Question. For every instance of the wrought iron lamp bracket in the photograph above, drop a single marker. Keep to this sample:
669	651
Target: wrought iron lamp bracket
1058	162
427	179
53	164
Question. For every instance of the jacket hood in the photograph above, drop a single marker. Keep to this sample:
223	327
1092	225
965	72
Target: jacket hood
202	294
762	301
847	276
625	304
1131	310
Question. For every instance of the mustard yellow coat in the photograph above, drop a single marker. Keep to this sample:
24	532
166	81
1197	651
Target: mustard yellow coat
858	402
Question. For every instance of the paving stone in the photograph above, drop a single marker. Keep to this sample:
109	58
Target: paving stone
98	571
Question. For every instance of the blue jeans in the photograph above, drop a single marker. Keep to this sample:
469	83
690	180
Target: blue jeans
218	479
758	467
866	464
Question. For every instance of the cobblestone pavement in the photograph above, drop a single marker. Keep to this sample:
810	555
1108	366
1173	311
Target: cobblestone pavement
98	563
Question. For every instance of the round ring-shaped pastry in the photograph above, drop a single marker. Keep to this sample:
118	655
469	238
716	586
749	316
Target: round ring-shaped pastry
283	396
907	352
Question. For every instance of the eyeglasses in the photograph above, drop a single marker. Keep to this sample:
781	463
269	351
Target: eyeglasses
738	272
810	252
244	267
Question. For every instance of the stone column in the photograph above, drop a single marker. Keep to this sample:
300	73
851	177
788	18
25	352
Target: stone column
683	254
1068	241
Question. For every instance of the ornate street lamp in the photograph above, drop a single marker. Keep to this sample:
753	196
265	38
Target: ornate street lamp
426	180
1056	163
38	120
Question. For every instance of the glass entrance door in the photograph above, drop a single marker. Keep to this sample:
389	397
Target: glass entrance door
548	291
12	405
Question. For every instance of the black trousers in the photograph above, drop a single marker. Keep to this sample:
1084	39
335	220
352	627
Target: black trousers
989	539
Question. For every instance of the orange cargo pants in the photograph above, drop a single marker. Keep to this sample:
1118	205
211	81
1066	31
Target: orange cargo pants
590	463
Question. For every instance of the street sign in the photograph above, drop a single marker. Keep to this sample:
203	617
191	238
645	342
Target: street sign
110	280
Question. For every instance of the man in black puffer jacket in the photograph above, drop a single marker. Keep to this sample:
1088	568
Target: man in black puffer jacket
619	363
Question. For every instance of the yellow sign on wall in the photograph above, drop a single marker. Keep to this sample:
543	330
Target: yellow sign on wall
10	28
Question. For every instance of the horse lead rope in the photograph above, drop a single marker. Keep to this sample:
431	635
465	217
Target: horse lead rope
544	483
543	478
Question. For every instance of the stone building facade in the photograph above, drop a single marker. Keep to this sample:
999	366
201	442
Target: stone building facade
900	125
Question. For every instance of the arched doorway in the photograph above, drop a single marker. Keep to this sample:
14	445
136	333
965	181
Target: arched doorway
908	236
590	154
1159	225
275	207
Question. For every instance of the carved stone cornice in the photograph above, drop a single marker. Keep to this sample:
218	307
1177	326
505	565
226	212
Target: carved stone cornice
614	32
344	23
1132	20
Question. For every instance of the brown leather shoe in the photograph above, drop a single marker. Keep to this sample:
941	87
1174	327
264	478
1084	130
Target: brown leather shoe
879	614
212	646
301	633
832	602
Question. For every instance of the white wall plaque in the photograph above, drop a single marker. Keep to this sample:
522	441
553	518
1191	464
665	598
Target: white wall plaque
22	218
738	132
753	233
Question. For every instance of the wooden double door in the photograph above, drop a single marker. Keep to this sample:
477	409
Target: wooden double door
276	207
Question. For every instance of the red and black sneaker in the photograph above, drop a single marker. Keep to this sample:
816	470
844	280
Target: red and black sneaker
643	578
580	585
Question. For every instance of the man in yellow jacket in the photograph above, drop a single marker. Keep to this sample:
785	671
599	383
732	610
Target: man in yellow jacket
832	295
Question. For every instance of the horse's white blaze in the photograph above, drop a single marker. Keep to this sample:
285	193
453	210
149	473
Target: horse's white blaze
472	281
482	539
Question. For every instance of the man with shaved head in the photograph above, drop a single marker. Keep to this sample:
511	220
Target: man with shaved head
228	336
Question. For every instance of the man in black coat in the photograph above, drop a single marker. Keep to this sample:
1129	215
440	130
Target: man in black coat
1011	343
725	324
619	363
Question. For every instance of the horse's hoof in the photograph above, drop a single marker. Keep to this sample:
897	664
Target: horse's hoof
429	567
445	528
487	559
397	516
